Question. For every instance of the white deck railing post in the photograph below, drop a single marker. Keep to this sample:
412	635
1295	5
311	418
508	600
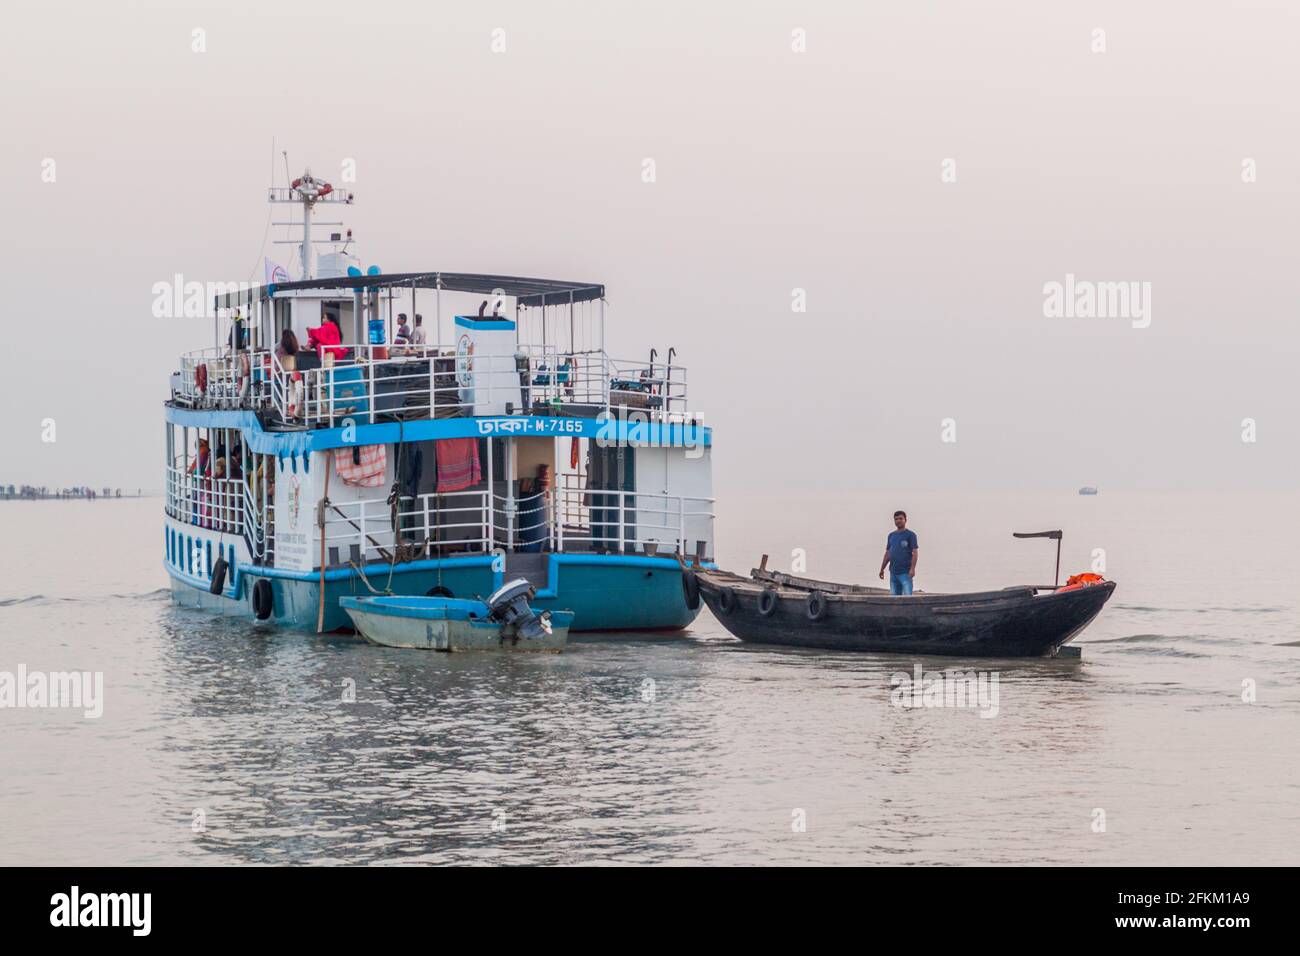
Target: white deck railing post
361	520
681	523
622	507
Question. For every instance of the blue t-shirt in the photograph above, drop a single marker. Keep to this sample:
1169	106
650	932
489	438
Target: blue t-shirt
900	546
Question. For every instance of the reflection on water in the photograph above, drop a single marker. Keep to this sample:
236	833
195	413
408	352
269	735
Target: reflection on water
356	753
223	741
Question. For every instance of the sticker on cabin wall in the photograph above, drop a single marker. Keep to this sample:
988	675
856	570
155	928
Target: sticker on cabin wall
295	501
464	360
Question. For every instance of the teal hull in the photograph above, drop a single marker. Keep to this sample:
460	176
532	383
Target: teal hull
604	592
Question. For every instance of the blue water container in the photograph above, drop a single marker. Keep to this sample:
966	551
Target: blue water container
349	390
533	530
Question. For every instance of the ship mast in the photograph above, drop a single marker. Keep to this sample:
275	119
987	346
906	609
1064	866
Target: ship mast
307	191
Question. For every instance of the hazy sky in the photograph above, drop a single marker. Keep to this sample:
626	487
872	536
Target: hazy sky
775	170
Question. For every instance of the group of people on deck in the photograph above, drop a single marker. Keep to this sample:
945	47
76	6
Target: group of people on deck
214	504
325	345
324	339
327	339
406	335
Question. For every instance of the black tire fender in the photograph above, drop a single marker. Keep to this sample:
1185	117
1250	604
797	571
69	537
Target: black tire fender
816	606
727	600
767	602
263	600
218	583
691	590
439	591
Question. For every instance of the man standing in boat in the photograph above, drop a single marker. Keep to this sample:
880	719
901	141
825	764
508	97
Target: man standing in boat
900	556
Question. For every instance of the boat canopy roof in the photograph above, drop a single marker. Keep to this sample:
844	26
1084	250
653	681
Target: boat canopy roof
527	292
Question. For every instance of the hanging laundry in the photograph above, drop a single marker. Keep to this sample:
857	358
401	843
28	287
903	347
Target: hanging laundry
458	466
364	469
412	468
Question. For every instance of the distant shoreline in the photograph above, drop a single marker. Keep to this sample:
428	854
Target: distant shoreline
58	497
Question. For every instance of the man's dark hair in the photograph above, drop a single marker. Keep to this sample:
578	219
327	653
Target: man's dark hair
897	513
419	319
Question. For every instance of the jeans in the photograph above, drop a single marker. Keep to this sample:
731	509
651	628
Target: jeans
900	583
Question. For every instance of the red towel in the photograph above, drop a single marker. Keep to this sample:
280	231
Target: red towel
368	472
457	463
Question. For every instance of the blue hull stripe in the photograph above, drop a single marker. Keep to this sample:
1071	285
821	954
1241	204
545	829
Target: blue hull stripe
297	444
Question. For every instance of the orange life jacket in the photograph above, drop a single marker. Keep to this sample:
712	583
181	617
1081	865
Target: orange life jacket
1076	581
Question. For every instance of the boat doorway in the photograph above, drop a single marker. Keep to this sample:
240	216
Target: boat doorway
612	469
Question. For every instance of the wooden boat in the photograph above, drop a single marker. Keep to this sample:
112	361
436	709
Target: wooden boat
773	608
450	624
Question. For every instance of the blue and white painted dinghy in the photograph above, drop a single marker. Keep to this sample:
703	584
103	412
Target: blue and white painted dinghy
505	621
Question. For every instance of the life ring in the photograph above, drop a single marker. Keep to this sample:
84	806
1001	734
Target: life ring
816	606
263	603
439	591
691	590
767	602
727	600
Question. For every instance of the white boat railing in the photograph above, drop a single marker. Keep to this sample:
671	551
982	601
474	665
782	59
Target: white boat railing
257	524
630	521
558	519
213	378
428	381
554	520
362	531
214	503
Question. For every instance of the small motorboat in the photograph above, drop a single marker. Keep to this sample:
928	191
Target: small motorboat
504	621
770	607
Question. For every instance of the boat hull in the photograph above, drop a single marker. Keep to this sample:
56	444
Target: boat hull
1011	623
605	592
393	622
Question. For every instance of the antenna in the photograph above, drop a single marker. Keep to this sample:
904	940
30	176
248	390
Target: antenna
307	191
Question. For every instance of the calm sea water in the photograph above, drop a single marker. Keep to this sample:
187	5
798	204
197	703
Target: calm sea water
571	758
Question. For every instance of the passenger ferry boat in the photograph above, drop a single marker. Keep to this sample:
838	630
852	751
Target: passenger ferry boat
508	445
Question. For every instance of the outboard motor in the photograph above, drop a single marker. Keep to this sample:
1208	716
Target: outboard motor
509	605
